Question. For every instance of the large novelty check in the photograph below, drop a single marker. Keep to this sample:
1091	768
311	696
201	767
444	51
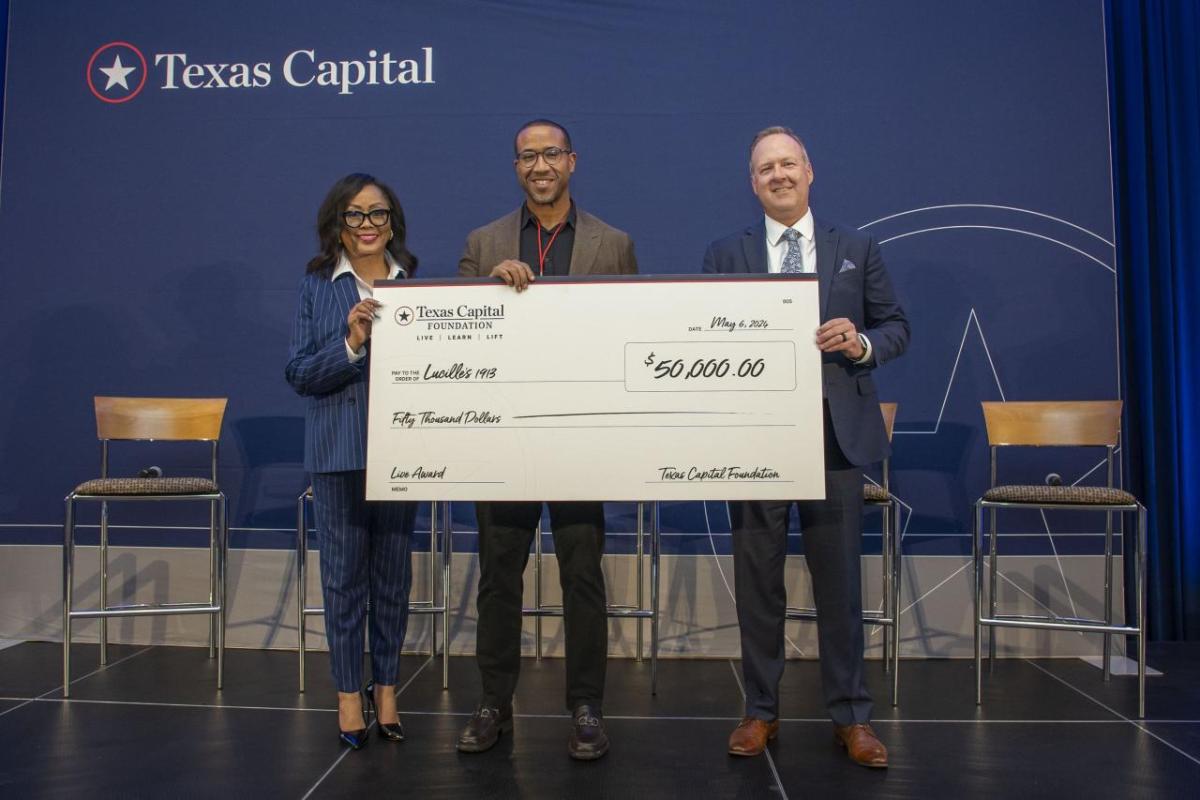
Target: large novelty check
607	389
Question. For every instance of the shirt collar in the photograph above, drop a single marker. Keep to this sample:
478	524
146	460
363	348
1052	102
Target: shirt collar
527	217
343	266
804	226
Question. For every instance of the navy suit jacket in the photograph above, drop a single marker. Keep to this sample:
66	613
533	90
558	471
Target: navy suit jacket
852	283
335	422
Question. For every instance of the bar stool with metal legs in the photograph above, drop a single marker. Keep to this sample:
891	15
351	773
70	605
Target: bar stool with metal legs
879	495
441	536
1058	424
640	612
150	419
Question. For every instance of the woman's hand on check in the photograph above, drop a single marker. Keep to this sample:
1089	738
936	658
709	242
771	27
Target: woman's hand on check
358	323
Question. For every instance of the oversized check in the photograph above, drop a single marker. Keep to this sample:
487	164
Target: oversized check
649	388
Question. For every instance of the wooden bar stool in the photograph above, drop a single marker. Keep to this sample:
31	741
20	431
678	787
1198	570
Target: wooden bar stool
1058	424
150	419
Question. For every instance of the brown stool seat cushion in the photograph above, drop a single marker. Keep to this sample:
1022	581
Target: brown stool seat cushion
1077	495
874	494
146	486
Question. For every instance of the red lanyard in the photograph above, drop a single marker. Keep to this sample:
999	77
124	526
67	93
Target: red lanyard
543	253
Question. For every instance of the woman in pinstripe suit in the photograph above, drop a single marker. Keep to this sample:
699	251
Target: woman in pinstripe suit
365	547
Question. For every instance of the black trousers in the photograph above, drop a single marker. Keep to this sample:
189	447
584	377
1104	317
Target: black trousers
506	531
832	530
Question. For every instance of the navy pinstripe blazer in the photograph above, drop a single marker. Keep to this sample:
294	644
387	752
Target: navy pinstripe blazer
335	422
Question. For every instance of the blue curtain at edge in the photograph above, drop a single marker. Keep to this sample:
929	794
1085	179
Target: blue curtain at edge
1154	80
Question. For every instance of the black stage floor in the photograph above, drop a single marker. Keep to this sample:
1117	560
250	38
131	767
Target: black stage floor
151	724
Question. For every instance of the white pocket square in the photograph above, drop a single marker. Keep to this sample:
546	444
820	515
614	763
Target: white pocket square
847	265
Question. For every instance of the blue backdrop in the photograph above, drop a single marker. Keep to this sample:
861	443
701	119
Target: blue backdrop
153	235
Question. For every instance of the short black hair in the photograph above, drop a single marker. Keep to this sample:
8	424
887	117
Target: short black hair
535	122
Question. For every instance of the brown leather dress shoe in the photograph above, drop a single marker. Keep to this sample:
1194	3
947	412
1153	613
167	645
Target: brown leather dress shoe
862	745
751	735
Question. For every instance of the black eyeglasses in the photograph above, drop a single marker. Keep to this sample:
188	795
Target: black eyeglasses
552	155
378	217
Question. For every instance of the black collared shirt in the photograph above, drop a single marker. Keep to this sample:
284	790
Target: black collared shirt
557	259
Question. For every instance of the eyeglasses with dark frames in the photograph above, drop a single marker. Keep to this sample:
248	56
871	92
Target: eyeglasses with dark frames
378	217
551	155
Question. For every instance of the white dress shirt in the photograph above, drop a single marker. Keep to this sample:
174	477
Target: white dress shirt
364	292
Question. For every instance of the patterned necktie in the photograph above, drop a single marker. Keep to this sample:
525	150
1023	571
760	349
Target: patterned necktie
792	262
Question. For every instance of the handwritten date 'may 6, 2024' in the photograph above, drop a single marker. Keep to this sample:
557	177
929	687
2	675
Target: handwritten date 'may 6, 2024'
724	323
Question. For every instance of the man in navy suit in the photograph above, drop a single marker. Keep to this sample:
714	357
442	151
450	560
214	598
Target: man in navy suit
862	327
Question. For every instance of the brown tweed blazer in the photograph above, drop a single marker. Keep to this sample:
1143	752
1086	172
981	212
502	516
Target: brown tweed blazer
600	249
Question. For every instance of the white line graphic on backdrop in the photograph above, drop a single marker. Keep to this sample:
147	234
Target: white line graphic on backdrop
998	228
972	318
991	206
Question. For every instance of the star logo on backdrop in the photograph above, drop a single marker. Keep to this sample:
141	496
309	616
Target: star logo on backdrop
404	315
116	72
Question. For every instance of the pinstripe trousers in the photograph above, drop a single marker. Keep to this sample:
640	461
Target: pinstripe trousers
365	556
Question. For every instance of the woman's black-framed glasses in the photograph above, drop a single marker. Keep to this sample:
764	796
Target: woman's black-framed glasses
378	217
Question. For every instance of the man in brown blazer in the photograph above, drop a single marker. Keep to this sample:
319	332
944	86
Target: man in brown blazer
547	235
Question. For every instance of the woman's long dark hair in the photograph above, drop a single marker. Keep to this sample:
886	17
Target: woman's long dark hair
329	224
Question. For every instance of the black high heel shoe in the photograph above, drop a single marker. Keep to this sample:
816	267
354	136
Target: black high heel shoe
355	740
390	731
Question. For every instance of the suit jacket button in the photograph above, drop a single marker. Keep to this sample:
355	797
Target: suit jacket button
351	401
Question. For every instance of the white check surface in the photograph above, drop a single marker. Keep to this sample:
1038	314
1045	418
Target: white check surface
636	389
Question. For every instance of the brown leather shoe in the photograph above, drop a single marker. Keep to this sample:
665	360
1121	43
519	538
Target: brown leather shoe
751	735
862	744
